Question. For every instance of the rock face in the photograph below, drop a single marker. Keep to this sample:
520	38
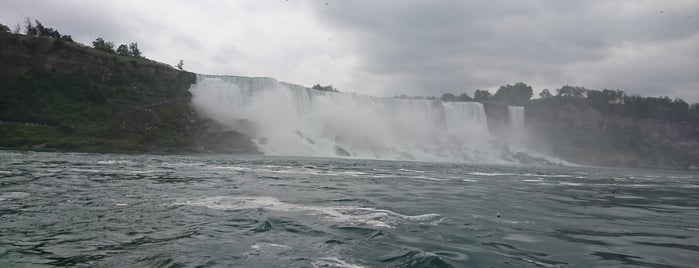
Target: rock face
56	95
588	136
341	152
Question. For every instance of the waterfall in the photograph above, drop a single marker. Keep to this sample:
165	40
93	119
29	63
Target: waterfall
293	120
516	118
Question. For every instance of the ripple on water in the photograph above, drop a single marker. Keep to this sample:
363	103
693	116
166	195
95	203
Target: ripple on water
415	259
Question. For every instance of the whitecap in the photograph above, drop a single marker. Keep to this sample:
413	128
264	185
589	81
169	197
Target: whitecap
333	263
344	214
270	246
490	174
13	195
112	162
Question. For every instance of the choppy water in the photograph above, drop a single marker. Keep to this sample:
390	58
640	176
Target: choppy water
64	209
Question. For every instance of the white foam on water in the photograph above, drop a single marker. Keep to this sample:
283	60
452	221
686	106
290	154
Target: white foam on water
534	180
114	162
13	195
330	262
549	176
270	246
427	178
343	214
490	174
569	183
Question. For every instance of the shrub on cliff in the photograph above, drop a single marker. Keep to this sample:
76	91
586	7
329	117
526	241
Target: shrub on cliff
102	45
329	88
4	28
41	31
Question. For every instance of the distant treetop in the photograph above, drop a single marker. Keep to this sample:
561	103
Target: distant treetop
41	31
328	88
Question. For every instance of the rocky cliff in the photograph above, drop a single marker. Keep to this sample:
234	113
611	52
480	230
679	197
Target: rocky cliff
60	95
586	135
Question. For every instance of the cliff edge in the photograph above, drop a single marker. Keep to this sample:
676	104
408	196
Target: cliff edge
66	96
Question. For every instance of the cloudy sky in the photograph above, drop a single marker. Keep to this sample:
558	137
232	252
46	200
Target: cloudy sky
385	48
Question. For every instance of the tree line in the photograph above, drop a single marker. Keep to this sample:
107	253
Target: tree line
37	29
608	101
130	50
328	88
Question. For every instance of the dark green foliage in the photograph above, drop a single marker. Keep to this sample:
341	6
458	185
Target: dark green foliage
102	45
452	97
130	50
517	94
571	92
4	28
328	88
86	100
123	50
448	97
482	95
133	50
180	65
67	38
41	31
30	30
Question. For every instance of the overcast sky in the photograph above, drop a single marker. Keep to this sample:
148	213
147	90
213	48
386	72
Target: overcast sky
385	48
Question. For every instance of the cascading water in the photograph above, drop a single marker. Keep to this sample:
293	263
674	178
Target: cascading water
297	121
516	118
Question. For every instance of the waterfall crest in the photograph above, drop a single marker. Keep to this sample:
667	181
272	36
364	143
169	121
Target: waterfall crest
287	119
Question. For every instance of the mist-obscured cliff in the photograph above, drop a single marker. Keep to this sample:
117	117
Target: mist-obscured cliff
62	95
591	135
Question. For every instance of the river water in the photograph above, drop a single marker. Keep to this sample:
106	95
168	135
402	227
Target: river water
108	210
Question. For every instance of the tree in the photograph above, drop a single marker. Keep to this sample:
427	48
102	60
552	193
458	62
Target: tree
481	95
123	50
448	97
180	65
133	50
329	88
100	44
571	92
517	94
67	38
465	97
545	94
30	29
4	28
17	28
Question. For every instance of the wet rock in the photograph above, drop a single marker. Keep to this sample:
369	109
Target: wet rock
341	151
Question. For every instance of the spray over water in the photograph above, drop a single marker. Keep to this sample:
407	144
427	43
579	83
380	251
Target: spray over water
291	120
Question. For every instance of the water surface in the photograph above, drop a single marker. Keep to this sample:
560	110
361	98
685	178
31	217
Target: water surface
97	210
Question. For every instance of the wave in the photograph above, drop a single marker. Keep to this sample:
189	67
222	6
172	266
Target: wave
344	214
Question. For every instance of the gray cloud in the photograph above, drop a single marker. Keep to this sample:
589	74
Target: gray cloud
433	47
404	47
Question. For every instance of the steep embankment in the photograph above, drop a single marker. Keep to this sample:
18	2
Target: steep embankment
586	135
59	95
